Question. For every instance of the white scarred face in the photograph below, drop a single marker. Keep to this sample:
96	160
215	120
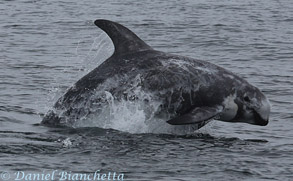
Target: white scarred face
247	105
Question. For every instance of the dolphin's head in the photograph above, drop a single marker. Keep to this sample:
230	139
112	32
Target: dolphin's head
253	106
248	104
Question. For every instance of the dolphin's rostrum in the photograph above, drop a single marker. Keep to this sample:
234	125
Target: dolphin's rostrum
187	90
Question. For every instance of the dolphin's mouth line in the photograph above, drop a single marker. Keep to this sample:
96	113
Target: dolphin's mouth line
259	120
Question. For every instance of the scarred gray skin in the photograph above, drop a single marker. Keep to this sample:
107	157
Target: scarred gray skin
191	91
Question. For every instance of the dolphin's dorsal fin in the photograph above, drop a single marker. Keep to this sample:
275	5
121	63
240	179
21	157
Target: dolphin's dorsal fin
124	40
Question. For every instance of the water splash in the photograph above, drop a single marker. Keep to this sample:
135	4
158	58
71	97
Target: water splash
101	49
139	115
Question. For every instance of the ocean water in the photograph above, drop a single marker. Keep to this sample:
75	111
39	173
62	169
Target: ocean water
46	46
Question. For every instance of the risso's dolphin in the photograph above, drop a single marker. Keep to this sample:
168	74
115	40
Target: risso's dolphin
187	91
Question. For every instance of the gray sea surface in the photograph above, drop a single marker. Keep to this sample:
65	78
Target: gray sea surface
46	46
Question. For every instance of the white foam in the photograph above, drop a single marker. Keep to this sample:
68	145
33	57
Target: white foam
133	116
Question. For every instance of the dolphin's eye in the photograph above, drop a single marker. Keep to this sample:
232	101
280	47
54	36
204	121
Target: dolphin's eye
246	98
